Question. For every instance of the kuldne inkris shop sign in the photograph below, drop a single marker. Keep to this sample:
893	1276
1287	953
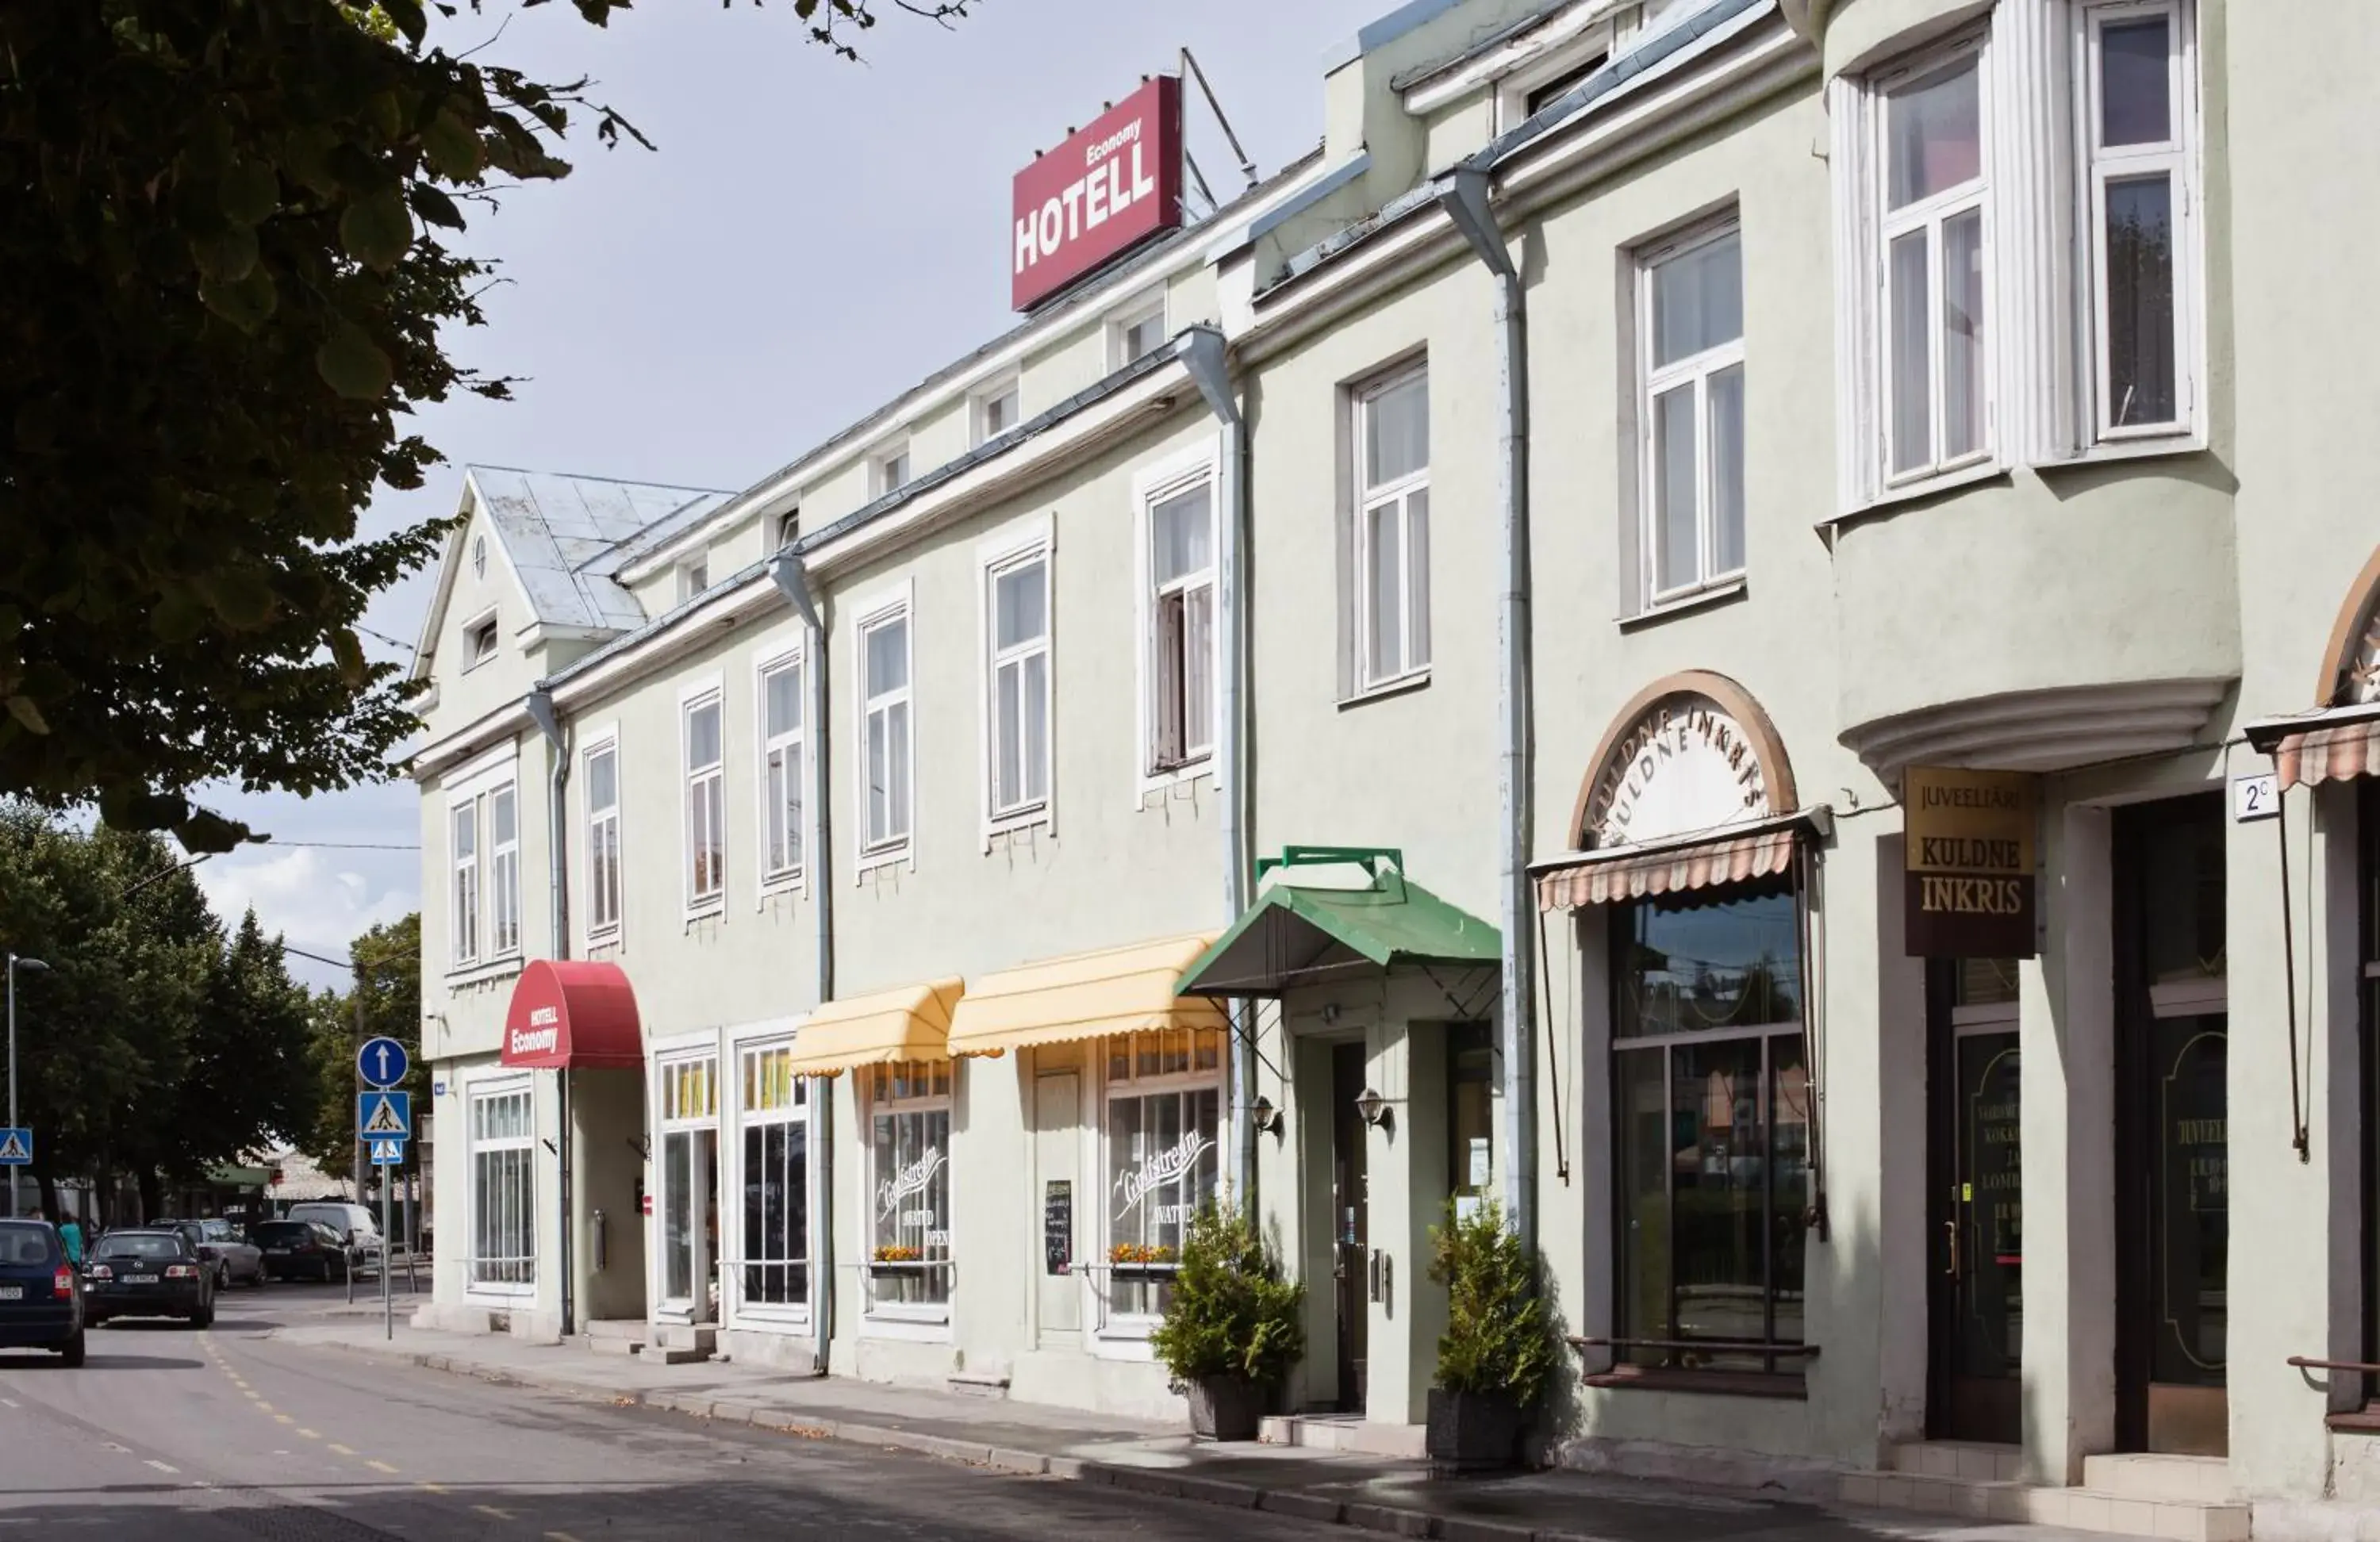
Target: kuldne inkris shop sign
1969	862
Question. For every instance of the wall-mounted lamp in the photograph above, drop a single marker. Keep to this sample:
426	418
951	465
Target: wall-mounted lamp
1375	1109
1265	1117
1329	1014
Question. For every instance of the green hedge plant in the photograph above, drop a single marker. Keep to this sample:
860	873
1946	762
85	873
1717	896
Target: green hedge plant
1233	1311
1497	1336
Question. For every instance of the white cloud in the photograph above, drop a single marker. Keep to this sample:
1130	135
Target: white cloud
314	901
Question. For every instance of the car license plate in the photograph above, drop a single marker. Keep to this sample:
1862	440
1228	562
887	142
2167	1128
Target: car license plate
139	1279
276	1251
12	1292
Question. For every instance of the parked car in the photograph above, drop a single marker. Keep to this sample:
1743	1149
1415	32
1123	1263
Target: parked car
354	1223
40	1306
224	1244
152	1272
300	1250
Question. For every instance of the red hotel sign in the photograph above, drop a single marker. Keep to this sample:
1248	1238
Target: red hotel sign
1105	190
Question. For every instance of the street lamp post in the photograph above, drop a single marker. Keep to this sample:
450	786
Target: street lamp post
15	963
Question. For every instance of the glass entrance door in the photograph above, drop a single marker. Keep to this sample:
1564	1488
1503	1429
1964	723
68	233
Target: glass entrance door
1979	1209
2173	1135
1351	1227
689	1218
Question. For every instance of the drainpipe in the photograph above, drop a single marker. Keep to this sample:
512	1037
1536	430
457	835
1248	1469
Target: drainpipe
540	711
1465	198
1201	350
792	580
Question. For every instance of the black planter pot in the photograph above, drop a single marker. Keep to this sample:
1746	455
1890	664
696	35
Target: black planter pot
1473	1432
1225	1407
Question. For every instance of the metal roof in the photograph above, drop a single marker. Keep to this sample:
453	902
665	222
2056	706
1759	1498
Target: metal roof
566	536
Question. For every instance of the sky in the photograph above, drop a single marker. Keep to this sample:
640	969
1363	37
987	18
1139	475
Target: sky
810	238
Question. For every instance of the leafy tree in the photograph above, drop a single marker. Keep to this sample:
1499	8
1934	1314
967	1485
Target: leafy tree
390	988
235	215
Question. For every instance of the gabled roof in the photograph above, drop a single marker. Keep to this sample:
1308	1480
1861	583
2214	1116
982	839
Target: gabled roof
565	537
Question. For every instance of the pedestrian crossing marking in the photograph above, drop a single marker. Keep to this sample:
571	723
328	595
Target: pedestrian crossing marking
384	1120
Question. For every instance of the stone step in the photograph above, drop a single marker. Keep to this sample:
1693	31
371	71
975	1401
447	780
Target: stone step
624	1348
703	1337
2135	1477
1968	1459
632	1329
683	1356
2180	1520
1345	1432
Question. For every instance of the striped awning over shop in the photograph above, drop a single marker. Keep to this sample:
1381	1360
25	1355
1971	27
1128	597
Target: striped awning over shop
1732	855
907	1023
2339	753
1092	995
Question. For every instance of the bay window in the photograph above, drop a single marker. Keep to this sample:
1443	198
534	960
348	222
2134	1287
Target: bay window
1164	1095
2136	98
1019	709
908	1112
1937	388
1392	527
775	1109
1692	411
504	1188
1711	1123
706	808
781	770
885	763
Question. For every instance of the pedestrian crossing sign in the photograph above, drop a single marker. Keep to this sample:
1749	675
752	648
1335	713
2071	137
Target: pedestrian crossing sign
15	1147
385	1115
388	1153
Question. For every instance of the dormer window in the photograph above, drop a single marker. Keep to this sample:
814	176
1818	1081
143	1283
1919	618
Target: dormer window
892	469
693	576
1546	95
1136	332
789	524
479	642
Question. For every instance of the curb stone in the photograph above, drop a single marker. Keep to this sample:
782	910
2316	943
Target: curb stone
1161	1483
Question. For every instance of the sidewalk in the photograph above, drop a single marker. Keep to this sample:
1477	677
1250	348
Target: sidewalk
1374	1494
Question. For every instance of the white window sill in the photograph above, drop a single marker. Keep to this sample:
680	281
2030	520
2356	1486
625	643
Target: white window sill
506	1296
773	1318
777	885
1156	781
1400	685
494	968
887	858
1911	493
1010	824
914	1324
708	910
1716	592
612	939
2145	447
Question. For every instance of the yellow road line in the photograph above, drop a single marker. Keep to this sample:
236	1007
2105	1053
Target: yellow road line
491	1510
308	1433
432	1488
560	1536
379	1466
343	1451
282	1419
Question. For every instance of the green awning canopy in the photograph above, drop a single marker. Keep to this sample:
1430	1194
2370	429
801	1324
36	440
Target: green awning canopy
1297	935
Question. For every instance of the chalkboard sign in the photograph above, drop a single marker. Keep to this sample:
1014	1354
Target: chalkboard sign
1058	1225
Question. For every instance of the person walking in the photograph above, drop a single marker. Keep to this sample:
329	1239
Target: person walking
70	1236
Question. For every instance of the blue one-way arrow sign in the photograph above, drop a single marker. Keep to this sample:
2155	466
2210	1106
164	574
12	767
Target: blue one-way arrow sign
382	1062
385	1115
388	1153
15	1147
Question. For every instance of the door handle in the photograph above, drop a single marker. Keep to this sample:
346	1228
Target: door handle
1951	1229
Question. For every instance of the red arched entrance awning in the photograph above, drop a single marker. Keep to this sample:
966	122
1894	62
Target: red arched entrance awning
568	1012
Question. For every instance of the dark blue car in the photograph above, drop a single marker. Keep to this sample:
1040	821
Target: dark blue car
41	1300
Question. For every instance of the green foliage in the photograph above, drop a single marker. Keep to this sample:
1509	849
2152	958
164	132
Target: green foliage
1233	1312
227	225
152	1044
390	990
1498	1338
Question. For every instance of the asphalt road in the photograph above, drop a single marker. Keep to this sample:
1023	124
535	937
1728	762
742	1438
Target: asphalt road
169	1433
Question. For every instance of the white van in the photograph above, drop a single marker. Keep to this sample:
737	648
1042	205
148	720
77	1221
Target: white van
352	1222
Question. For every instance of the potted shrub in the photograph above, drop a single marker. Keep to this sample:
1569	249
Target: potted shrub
1232	1328
1497	1346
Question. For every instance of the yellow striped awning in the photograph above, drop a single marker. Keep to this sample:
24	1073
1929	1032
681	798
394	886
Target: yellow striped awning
910	1022
1115	991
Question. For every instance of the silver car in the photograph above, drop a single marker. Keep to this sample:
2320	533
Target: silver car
227	1246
